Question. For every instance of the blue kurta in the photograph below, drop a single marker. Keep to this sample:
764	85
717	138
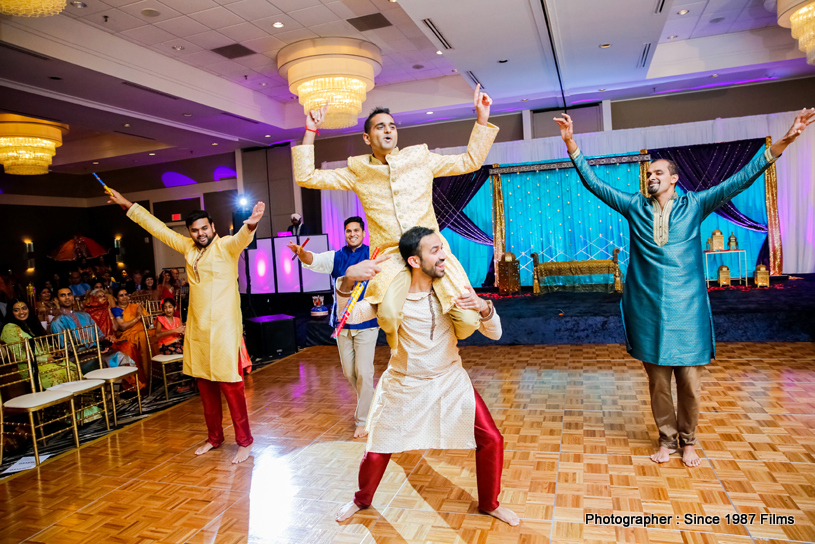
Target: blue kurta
665	306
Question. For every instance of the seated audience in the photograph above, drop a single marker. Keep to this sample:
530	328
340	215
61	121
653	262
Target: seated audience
47	307
127	317
169	330
148	285
134	283
78	287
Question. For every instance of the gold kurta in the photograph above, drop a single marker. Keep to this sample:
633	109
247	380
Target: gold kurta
425	398
214	322
398	196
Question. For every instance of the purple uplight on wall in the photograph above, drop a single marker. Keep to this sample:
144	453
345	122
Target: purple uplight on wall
718	84
223	172
174	179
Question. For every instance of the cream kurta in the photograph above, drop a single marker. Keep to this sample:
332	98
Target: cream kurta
214	322
425	398
398	196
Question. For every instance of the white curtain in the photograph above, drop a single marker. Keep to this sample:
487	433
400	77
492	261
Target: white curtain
338	206
796	169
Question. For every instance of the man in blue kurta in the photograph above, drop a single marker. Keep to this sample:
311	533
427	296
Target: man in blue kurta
665	307
356	342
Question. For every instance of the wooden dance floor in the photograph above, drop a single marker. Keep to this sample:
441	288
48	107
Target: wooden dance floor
577	428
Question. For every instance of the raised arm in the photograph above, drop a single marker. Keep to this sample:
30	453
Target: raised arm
238	242
481	139
148	222
302	158
717	196
614	198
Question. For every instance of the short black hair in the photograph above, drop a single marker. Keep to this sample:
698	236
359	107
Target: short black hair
196	215
672	168
119	291
376	111
171	300
355	219
411	240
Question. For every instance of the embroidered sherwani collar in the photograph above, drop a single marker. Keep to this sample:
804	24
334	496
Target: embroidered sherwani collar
661	219
376	162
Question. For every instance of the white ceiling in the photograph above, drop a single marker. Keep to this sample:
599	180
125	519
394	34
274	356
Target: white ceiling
94	56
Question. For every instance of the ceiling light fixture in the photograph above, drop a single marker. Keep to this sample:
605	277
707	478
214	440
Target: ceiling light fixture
126	125
263	84
605	46
150	12
717	20
714	75
683	12
178	47
31	8
800	17
439	53
95	162
78	4
187	115
336	70
417	66
214	143
504	61
524	99
673	37
27	145
151	154
429	113
268	136
278	25
601	90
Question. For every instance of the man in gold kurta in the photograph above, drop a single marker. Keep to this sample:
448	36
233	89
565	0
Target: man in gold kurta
214	322
395	188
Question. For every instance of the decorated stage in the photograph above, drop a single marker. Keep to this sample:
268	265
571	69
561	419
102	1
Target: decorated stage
781	313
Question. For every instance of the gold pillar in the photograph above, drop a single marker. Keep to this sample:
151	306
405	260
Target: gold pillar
644	174
498	224
773	224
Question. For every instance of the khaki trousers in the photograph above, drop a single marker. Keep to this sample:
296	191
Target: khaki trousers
681	423
357	359
389	313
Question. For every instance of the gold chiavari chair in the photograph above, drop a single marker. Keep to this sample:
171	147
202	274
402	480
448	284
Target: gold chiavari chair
85	347
16	370
57	348
152	307
140	297
170	365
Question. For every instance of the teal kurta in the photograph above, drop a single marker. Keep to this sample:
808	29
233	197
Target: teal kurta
665	306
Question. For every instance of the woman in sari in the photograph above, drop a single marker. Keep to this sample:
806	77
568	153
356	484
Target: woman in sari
127	319
46	306
96	305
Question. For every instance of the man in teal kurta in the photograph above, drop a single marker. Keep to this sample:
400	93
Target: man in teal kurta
665	307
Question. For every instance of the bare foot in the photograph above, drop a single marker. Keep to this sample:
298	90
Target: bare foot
203	449
242	455
663	455
347	510
506	515
690	457
360	432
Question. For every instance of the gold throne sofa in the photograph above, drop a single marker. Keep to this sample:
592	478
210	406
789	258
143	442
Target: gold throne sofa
540	271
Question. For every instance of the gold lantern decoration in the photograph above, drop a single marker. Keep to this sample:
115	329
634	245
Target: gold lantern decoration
509	274
27	145
761	276
31	8
717	241
724	276
799	15
337	71
732	242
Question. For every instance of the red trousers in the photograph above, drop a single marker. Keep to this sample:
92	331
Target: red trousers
489	460
236	400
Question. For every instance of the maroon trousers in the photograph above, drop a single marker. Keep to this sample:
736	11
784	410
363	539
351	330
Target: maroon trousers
236	400
489	460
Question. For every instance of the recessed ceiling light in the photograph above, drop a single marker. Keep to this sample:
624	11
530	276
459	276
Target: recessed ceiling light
717	20
683	12
439	53
601	90
605	46
278	25
95	162
455	71
78	4
263	84
187	115
268	136
214	143
151	154
126	125
430	113
178	47
504	61
55	78
673	37
524	99
714	75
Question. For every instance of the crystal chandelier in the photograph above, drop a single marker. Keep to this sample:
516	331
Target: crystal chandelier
338	71
31	8
799	15
27	145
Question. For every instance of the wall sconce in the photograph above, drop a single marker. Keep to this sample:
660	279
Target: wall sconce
119	251
29	255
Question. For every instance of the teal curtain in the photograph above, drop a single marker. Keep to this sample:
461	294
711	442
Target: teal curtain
475	258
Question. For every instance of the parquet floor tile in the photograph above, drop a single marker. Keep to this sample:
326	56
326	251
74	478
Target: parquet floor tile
577	429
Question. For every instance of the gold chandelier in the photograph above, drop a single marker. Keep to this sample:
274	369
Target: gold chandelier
27	145
800	17
31	8
339	71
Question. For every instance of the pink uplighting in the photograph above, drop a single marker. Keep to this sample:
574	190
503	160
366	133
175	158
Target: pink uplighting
261	268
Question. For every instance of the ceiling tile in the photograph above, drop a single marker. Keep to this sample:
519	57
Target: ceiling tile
216	18
705	28
694	10
336	29
226	2
681	28
91	6
190	6
182	26
210	39
721	6
755	9
264	45
296	35
242	32
117	20
202	58
267	24
165	12
252	10
227	67
256	62
750	24
120	3
352	8
313	16
189	48
290	5
148	35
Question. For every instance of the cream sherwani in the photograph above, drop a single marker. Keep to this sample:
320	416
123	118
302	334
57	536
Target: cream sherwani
424	400
398	196
214	322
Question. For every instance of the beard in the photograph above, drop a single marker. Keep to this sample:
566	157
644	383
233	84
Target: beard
653	189
431	270
206	243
